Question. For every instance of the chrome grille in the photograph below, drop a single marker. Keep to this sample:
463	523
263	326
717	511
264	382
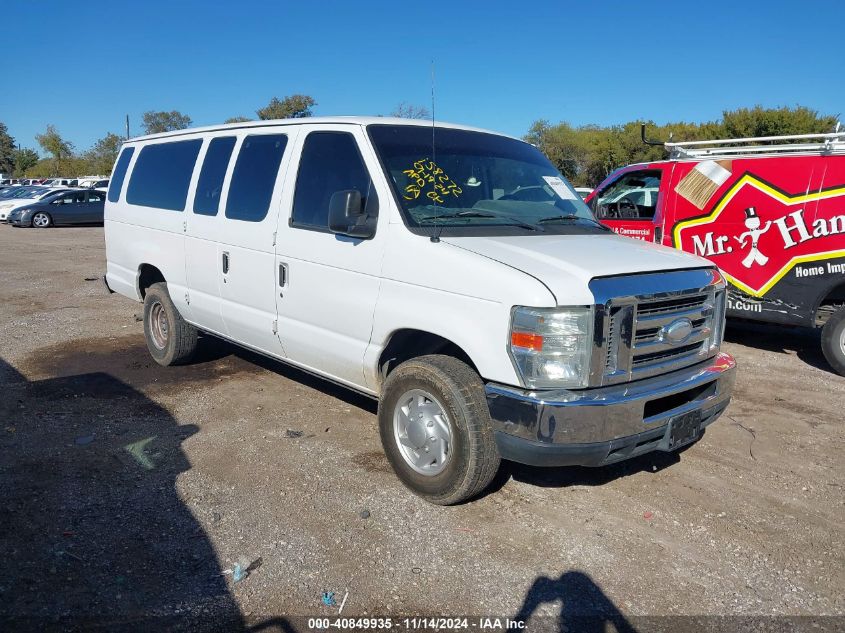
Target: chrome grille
652	352
653	323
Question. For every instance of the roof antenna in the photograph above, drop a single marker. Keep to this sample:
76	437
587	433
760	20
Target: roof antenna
435	236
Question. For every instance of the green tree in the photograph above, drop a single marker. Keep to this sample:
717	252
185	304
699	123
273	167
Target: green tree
757	121
157	122
408	111
103	153
587	154
237	119
7	149
292	107
24	158
47	167
53	143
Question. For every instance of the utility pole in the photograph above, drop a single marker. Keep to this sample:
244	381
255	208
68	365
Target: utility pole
127	126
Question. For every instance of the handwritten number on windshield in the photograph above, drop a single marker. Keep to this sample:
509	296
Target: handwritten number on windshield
426	173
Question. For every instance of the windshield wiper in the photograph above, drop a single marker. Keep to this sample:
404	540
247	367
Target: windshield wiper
479	214
565	218
459	214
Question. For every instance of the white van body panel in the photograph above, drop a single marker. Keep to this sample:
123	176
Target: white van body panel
343	297
137	235
567	263
248	302
325	309
458	295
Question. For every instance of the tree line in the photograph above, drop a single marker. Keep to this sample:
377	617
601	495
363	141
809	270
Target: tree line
62	159
585	154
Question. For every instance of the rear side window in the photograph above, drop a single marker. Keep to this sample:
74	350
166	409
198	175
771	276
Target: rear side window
119	173
330	162
162	174
207	199
254	177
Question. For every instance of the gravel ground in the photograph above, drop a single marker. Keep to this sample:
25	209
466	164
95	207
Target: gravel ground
130	490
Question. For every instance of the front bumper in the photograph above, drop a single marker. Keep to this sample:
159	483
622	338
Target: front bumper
594	427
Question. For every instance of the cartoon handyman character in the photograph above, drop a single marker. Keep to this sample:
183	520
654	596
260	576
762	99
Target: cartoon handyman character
752	223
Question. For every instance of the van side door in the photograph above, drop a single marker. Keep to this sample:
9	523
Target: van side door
205	231
328	284
630	205
246	256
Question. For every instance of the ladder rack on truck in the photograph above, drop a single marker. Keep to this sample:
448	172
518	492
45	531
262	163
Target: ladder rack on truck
830	143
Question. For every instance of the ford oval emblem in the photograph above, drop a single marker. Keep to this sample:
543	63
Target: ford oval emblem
677	331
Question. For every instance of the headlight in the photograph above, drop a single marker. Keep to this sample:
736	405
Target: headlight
550	347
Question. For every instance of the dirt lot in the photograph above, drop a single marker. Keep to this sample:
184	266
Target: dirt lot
129	489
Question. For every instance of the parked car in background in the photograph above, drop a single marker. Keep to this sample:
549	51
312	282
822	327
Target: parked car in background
93	182
80	206
61	182
583	191
21	196
11	190
770	212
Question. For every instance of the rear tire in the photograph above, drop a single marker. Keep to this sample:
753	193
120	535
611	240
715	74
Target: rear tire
435	429
833	341
42	220
170	339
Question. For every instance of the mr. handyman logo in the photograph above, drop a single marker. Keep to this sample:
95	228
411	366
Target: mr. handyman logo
757	233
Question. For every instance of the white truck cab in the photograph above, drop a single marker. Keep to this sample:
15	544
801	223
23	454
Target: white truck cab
449	272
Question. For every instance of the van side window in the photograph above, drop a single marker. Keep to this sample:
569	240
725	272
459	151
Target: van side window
330	162
116	182
631	197
255	176
162	174
210	184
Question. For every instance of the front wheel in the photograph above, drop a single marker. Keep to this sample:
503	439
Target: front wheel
435	429
833	341
170	339
41	220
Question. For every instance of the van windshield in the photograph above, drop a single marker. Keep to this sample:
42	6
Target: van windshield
472	183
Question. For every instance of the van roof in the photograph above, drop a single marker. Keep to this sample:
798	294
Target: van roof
348	120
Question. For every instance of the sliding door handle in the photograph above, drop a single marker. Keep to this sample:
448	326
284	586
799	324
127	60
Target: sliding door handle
225	263
283	275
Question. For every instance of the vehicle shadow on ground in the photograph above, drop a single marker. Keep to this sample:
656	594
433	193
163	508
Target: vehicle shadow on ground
211	348
565	476
805	342
584	606
92	527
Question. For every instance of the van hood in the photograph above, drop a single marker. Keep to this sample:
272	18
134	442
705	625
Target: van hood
567	263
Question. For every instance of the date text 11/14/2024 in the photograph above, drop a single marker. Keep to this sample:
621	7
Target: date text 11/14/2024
417	623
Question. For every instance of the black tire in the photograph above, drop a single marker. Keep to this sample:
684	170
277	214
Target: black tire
474	458
833	341
44	214
173	341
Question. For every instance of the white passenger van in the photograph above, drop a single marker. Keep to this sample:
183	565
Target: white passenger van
449	272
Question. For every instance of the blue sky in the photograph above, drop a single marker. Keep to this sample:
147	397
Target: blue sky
83	66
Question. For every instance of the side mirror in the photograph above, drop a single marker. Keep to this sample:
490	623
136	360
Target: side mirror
347	216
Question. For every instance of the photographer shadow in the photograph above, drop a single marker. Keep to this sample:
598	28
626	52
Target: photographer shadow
93	529
584	606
